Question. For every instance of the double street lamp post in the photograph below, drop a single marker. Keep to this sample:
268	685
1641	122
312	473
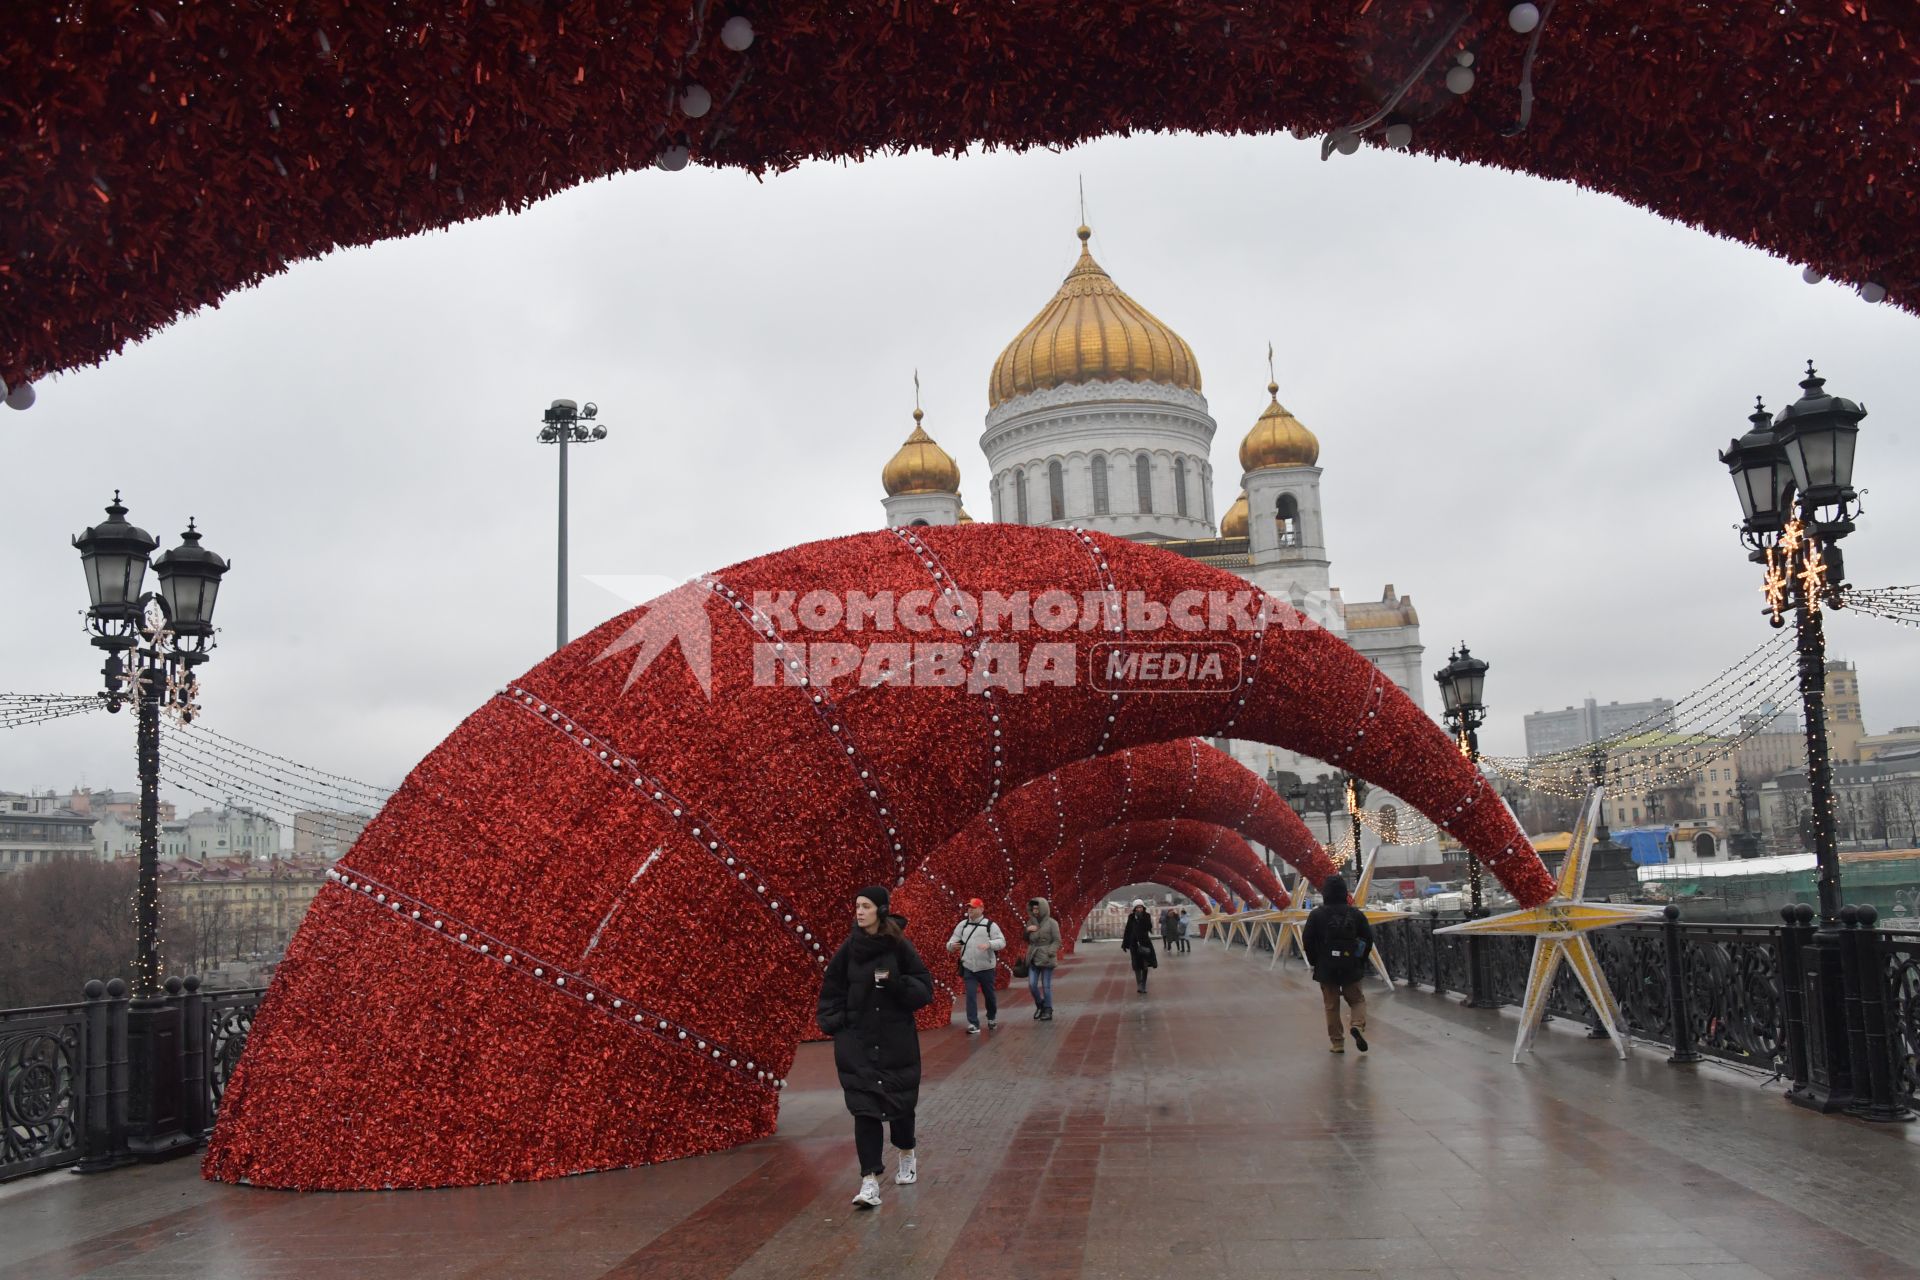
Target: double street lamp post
1794	477
154	640
1462	683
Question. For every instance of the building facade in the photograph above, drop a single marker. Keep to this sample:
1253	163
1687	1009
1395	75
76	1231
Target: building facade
1097	420
1552	732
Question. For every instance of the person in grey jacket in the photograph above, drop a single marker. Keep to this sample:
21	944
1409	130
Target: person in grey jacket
1043	953
978	942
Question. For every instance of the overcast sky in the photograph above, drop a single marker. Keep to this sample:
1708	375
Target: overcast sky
1518	387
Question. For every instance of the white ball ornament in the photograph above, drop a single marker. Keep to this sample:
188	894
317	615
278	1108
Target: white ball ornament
1464	57
673	159
1812	275
1346	144
737	34
1459	79
21	397
695	101
1524	17
1399	136
1873	291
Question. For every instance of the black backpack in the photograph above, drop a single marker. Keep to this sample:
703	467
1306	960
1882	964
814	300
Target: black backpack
1346	949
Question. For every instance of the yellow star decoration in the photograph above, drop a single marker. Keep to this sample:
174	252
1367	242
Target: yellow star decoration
1284	927
1243	926
1559	928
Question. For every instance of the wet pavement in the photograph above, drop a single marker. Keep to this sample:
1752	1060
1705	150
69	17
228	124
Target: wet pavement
1201	1130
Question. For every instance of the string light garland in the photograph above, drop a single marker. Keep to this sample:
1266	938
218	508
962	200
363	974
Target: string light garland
18	710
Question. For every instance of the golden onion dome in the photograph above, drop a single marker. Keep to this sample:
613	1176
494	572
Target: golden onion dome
1278	439
921	466
1091	332
1234	523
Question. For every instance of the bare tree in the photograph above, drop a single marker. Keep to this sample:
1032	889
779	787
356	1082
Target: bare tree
64	923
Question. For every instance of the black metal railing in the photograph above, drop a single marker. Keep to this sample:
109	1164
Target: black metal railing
65	1073
1730	997
42	1091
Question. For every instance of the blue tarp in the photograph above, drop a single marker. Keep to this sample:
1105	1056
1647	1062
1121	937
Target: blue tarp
1649	844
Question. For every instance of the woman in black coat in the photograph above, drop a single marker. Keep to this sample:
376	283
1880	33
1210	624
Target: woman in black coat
872	986
1137	942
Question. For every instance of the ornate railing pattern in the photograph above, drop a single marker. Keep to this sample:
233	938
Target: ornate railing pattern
229	1020
1902	955
64	1072
42	1089
1732	981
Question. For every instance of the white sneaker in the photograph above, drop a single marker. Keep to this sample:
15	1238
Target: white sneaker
909	1170
869	1195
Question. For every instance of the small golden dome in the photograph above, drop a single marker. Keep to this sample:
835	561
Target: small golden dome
921	466
1278	439
1234	523
1091	332
964	518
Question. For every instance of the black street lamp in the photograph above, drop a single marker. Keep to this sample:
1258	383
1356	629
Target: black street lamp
1794	478
1462	681
1325	795
153	641
567	423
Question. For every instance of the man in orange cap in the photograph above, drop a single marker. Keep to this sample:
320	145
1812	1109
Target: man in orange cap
978	942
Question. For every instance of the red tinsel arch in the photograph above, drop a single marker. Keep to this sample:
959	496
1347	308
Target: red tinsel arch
1034	843
158	157
495	985
1145	852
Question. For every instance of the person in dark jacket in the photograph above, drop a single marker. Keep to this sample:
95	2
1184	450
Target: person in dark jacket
1137	942
872	986
1337	939
1043	954
1167	930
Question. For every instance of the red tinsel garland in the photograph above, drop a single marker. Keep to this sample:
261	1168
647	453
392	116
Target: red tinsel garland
156	158
585	931
1032	844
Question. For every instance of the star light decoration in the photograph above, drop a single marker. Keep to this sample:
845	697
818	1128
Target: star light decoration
1291	921
1559	929
1283	930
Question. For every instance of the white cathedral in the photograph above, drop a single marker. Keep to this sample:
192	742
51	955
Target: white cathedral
1096	420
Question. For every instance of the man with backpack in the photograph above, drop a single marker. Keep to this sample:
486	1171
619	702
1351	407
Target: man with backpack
978	942
1337	940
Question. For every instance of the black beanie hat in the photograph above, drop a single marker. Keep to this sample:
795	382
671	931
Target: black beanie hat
876	894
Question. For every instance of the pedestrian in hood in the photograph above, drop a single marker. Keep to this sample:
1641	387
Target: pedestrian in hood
1137	942
872	986
1337	938
1043	953
978	942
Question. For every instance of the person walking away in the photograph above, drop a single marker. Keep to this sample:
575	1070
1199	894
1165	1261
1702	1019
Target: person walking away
1043	953
1137	942
1168	930
1337	940
872	986
978	942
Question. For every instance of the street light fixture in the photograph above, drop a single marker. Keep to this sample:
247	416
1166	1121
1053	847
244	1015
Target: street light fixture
1462	682
566	422
1794	479
1804	459
153	641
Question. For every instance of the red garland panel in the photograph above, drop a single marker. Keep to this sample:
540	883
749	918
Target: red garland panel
503	982
157	158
